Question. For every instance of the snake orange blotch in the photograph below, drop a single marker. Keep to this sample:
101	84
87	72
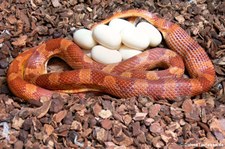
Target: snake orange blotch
125	79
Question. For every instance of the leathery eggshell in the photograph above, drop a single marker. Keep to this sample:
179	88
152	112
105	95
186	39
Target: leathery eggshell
120	24
154	34
127	52
134	38
107	36
105	56
84	39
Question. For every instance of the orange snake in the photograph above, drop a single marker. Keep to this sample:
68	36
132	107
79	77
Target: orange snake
28	80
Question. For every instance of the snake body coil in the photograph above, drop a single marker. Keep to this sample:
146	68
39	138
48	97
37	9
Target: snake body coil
27	79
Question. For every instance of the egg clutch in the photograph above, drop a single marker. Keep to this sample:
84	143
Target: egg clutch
117	41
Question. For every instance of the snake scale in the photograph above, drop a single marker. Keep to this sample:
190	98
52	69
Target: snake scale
27	77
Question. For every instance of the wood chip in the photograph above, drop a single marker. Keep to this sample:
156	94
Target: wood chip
41	111
48	129
76	125
17	122
106	123
101	134
56	3
20	41
59	116
105	114
156	128
97	109
139	116
180	19
154	110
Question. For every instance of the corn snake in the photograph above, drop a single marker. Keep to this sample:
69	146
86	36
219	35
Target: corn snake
123	79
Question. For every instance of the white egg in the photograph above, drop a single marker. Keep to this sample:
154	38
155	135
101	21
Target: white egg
107	36
134	38
120	24
105	56
154	34
84	39
127	52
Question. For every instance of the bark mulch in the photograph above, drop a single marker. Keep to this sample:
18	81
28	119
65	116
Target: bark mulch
101	121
